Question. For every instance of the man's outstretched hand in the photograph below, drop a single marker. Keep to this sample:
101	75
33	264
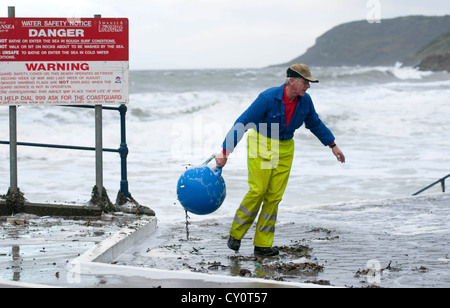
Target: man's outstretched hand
339	154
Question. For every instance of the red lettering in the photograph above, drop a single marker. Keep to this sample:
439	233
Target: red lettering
31	66
57	66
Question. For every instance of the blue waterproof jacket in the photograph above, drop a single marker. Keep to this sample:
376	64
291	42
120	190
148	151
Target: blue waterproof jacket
266	115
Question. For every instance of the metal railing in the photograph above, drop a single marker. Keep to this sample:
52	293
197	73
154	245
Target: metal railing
122	150
441	181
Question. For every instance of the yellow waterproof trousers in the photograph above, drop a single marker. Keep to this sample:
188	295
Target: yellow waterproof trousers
269	164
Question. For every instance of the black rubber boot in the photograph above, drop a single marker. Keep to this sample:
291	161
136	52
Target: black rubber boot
266	251
233	243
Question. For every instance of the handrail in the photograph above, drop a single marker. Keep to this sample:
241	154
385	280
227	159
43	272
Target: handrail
442	181
122	150
58	146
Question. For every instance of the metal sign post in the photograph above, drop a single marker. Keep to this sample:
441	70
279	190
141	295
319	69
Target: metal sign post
99	145
12	133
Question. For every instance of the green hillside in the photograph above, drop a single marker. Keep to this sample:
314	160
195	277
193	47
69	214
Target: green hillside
439	45
403	39
435	56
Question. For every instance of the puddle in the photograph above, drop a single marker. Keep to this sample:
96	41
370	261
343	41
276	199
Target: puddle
37	249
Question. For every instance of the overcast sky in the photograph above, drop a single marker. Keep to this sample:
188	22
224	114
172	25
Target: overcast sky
180	34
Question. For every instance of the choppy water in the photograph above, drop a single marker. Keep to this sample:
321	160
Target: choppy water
391	122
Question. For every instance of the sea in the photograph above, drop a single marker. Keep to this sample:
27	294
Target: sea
391	122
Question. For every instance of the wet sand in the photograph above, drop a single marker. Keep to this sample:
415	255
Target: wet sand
388	243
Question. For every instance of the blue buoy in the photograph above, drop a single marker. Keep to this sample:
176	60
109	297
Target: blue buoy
201	190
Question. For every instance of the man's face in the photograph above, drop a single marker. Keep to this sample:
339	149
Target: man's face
300	86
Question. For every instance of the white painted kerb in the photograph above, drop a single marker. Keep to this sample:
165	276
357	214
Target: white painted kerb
111	248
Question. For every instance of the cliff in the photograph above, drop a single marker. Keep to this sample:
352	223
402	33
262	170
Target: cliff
435	56
435	62
403	39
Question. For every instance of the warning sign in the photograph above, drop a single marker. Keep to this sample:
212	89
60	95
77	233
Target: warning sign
63	61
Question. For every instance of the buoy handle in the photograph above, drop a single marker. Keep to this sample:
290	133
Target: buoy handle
209	159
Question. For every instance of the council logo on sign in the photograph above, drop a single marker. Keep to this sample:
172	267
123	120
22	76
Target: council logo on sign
110	26
5	27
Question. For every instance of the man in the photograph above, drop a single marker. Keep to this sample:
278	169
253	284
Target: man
273	117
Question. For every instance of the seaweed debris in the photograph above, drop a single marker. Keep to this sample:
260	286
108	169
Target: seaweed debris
291	267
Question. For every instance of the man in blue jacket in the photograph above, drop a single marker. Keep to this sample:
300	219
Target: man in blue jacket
272	119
